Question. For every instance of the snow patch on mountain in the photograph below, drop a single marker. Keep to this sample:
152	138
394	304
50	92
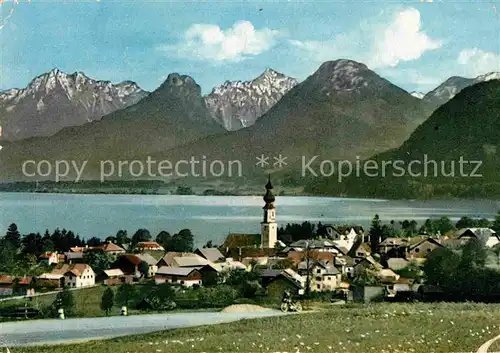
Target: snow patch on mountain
55	100
238	104
418	95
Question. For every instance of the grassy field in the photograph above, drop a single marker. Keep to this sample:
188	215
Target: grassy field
412	328
495	347
87	301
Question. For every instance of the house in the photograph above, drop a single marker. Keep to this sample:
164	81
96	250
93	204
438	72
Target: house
149	245
314	244
323	275
422	248
231	264
111	249
184	276
168	258
74	257
211	254
114	276
72	276
258	261
345	264
486	235
79	275
151	261
277	281
189	261
401	287
345	239
129	264
299	256
360	252
236	240
367	263
49	258
10	285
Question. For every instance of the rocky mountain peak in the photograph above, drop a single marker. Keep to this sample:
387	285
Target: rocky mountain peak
238	104
343	75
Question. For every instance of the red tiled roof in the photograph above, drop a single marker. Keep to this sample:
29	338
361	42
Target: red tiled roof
111	247
45	256
10	280
148	244
132	259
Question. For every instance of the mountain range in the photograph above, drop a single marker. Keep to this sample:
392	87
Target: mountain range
56	100
342	111
463	129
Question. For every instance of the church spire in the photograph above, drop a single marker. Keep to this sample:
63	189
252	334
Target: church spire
269	197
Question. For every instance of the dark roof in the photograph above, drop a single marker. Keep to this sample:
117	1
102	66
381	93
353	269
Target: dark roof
270	273
131	258
483	234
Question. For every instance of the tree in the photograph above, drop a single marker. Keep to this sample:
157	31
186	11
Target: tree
182	241
443	225
126	294
375	233
465	222
496	223
122	237
13	237
65	300
140	236
441	266
496	251
143	269
161	297
32	244
107	300
94	241
163	238
474	255
98	260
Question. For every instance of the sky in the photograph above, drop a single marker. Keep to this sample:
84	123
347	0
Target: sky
414	44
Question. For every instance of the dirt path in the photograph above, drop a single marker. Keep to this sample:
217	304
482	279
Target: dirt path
486	345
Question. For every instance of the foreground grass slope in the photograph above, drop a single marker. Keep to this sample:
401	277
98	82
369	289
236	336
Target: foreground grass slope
416	328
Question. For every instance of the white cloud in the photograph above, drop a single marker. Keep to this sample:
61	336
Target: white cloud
377	43
403	40
212	43
475	62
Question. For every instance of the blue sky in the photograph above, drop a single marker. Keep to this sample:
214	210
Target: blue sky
416	45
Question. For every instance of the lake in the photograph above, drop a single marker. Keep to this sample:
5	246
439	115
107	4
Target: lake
209	217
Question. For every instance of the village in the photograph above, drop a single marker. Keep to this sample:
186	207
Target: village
343	265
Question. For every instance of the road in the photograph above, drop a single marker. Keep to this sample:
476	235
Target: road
484	348
41	332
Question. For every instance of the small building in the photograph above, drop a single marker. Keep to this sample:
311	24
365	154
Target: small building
129	264
345	264
277	281
114	276
168	258
149	245
10	285
111	249
184	276
422	248
151	261
74	257
49	258
366	294
79	275
486	235
324	276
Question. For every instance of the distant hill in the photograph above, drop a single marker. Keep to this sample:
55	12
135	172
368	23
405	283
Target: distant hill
466	128
448	89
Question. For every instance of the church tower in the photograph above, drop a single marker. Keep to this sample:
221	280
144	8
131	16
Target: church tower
269	227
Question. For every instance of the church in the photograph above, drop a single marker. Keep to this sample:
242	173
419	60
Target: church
269	227
268	236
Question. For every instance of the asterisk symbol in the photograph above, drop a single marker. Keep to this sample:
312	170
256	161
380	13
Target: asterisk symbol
279	161
262	161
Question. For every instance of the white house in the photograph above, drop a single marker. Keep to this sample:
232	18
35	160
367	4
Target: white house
50	258
79	275
323	275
